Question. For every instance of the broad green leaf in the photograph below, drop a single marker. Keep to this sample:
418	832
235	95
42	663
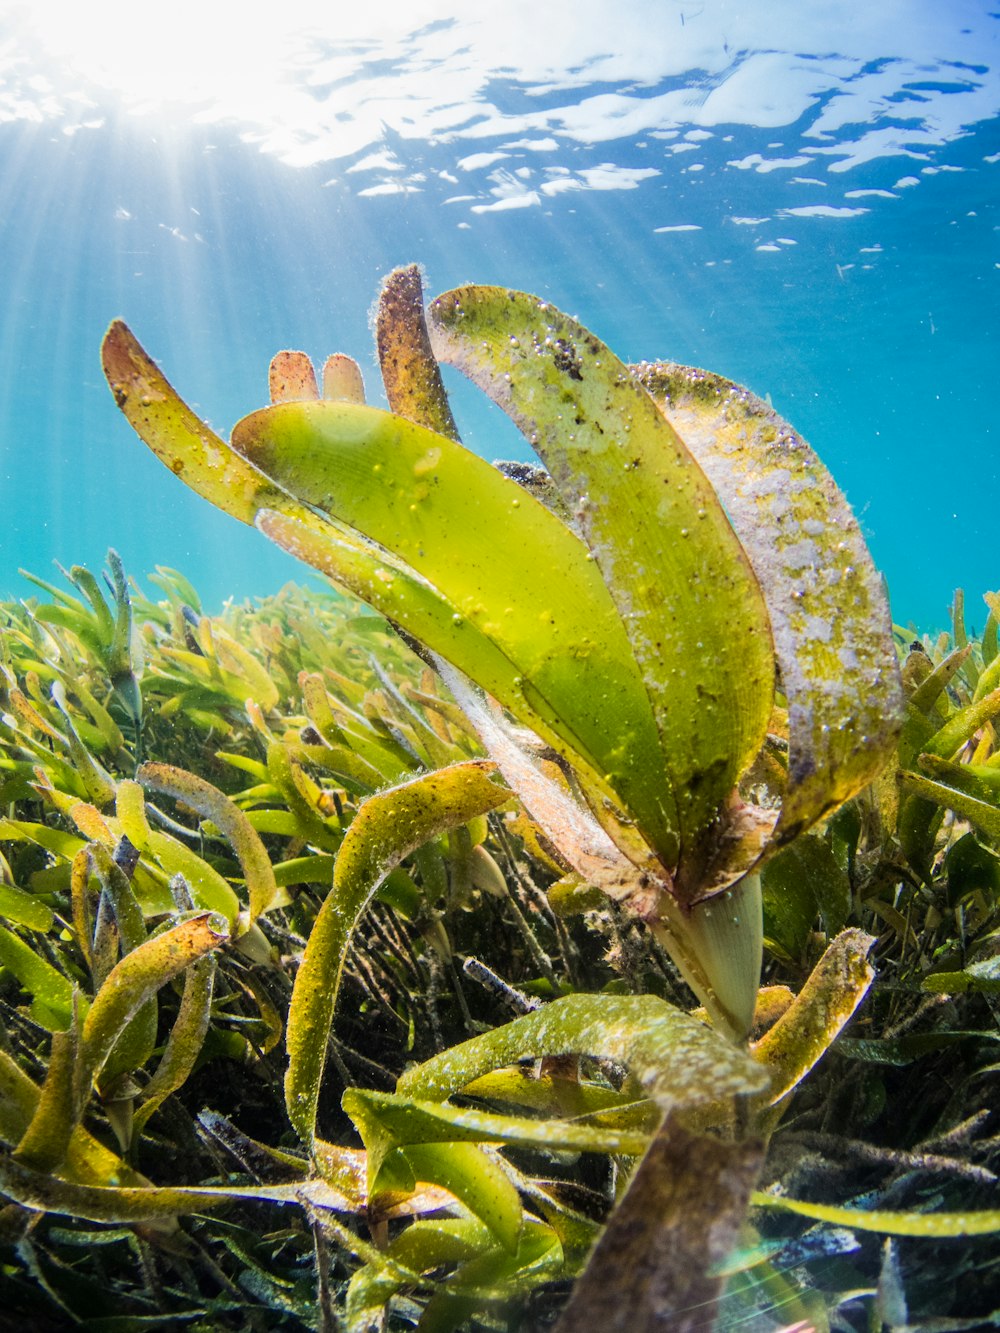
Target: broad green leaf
801	883
281	822
935	1226
682	586
678	1060
826	603
386	828
417	607
313	869
222	476
509	569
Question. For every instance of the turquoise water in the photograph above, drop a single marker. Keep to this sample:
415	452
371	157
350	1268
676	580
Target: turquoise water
807	204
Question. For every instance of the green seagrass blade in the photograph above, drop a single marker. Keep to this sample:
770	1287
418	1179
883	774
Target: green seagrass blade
221	475
682	586
827	605
513	573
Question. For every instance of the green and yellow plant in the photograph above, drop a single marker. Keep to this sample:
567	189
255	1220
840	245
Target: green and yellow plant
672	646
495	1227
693	546
687	548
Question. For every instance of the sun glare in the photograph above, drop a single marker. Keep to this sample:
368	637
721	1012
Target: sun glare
226	56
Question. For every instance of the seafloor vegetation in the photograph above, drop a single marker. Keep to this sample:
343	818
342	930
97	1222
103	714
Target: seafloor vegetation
529	1023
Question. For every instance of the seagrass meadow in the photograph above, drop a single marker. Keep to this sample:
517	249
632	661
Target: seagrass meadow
583	908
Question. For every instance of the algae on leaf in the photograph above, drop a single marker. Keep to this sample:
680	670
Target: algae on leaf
297	711
682	587
645	653
676	651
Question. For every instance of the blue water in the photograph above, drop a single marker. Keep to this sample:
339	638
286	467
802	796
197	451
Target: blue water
808	205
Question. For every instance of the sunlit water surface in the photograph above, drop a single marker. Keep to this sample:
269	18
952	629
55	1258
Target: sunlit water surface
802	197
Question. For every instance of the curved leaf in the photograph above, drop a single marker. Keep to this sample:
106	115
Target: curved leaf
203	461
386	828
808	1027
474	1178
211	804
87	1159
45	1142
208	888
509	569
679	1061
984	814
189	448
686	595
827	605
185	1041
137	977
